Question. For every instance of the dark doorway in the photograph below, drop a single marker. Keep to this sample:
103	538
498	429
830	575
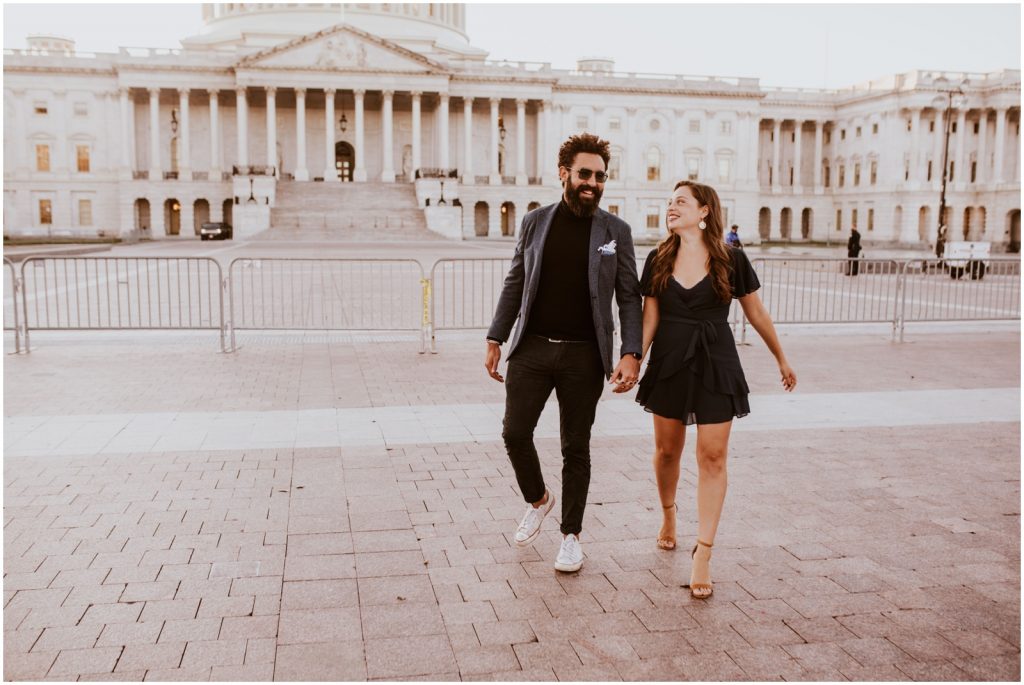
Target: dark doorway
344	161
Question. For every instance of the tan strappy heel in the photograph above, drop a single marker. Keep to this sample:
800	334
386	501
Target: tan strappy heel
700	590
668	543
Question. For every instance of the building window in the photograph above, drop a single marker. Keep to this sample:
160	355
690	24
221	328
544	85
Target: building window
653	220
692	167
613	167
45	212
906	168
42	157
910	125
974	171
724	169
40	108
655	124
654	164
858	131
694	125
790	175
81	109
828	137
725	127
839	220
82	155
582	123
952	165
842	175
977	127
929	177
871	219
85	212
842	134
954	127
931	127
614	124
874	129
853	218
613	209
856	173
827	173
874	171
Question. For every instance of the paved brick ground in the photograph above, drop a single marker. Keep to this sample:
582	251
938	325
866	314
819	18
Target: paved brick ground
878	553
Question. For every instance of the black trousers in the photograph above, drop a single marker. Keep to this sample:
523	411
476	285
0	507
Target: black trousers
575	372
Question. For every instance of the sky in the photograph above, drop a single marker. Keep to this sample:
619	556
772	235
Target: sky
796	45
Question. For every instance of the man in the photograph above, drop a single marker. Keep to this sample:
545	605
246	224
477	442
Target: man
733	237
571	257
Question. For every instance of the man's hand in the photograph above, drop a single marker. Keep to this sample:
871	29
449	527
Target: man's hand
491	360
625	374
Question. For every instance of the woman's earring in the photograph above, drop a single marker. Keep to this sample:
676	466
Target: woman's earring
702	225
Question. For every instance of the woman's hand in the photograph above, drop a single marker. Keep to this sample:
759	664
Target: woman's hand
788	376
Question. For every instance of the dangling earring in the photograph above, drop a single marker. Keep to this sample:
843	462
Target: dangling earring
702	225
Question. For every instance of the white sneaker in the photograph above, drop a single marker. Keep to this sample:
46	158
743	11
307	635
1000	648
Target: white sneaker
570	555
529	527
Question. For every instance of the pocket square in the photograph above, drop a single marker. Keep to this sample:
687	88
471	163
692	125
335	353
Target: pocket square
608	249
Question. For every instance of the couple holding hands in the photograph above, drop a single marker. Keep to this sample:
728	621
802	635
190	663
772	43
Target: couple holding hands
571	257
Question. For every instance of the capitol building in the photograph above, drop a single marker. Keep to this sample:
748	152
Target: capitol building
364	121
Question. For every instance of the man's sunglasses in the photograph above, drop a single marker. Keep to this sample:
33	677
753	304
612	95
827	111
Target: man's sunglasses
585	174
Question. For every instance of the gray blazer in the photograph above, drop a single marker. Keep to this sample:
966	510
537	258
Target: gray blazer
615	273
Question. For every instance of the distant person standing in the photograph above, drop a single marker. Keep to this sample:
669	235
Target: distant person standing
853	252
940	242
732	238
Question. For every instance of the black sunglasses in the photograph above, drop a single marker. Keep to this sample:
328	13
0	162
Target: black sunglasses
585	174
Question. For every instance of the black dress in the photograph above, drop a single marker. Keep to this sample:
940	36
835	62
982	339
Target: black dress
694	373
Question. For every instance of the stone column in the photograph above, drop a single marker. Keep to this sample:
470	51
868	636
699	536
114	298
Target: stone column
467	147
359	173
521	178
711	163
215	169
981	176
997	171
776	155
272	130
495	170
388	172
542	113
937	153
819	136
755	151
127	159
185	139
627	168
417	134
242	115
797	155
915	147
330	170
155	172
442	121
301	172
961	136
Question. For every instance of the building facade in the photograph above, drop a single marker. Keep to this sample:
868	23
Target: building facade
271	101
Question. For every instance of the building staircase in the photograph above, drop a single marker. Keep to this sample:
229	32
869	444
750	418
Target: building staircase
346	212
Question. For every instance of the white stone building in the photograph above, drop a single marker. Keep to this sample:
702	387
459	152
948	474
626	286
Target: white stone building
318	117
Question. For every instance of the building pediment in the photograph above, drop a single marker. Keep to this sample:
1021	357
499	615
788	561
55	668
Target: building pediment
340	47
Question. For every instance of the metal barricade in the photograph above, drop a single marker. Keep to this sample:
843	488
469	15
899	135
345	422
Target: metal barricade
465	293
804	290
117	293
11	321
327	294
986	290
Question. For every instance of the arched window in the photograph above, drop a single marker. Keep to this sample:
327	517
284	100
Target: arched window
694	162
653	164
615	164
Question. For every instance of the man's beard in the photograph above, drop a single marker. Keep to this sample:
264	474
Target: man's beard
581	207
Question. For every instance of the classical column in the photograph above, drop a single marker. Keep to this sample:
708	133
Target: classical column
542	113
127	165
997	171
711	163
215	170
359	174
417	135
242	115
330	170
301	172
155	173
442	116
629	153
776	155
961	134
981	176
797	155
937	152
915	147
754	171
184	140
495	170
388	173
467	147
819	130
272	130
521	142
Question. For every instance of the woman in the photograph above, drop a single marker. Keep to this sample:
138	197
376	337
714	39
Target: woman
853	251
694	374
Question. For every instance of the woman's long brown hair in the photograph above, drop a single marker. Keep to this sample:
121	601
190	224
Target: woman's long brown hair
719	259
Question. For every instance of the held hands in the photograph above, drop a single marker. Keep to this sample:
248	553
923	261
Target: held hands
788	376
491	360
625	374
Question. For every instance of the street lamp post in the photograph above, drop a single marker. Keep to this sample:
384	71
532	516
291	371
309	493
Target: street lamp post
942	230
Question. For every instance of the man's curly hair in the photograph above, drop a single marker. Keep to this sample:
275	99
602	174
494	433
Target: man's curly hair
583	142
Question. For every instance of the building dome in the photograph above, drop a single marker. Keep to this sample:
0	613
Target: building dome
263	24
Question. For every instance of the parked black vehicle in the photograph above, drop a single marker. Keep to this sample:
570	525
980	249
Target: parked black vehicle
215	231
